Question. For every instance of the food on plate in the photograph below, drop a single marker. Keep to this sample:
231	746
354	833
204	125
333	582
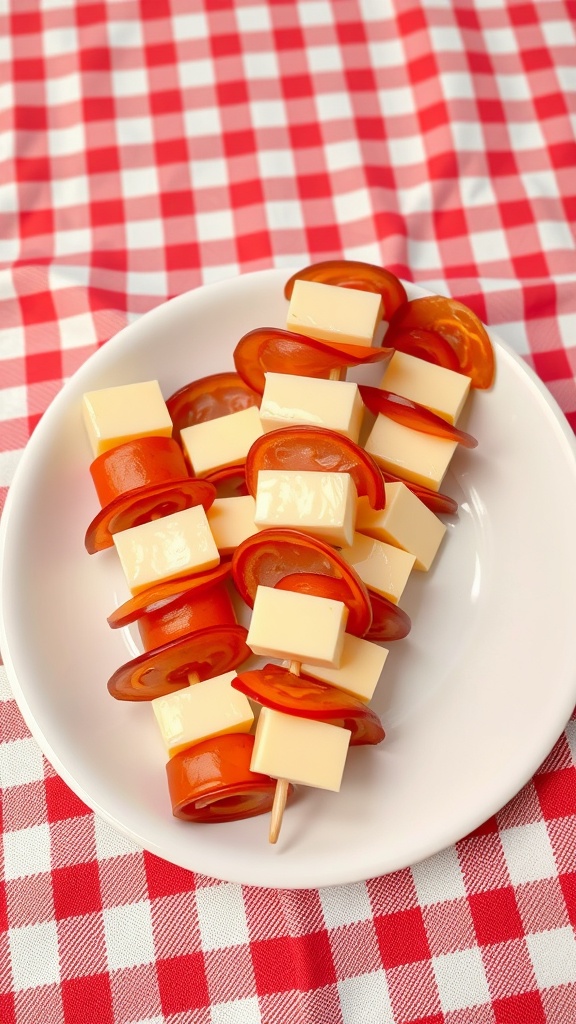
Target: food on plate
383	567
355	274
281	689
231	521
411	454
442	391
221	442
273	349
254	484
410	414
405	523
315	449
201	711
115	415
300	750
138	481
321	504
208	398
206	653
172	546
290	399
292	560
360	668
212	782
447	326
291	626
328	313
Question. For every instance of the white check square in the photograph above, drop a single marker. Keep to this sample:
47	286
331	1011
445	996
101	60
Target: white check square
439	878
222	916
345	904
333	106
128	931
20	760
27	851
366	998
238	1011
34	955
528	852
461	979
553	956
77	331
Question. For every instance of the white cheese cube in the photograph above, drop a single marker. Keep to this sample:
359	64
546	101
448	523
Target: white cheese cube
225	441
360	668
411	454
442	391
297	627
113	416
406	522
334	404
330	313
382	567
304	752
321	504
196	713
166	548
231	521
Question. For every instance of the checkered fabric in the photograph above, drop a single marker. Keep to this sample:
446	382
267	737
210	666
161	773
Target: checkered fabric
146	148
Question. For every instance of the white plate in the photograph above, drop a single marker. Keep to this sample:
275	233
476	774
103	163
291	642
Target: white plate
472	700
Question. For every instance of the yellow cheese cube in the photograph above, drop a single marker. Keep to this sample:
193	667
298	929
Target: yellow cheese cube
383	567
304	752
231	521
411	454
113	416
330	313
198	712
321	504
225	441
335	404
297	627
166	548
438	389
360	668
406	522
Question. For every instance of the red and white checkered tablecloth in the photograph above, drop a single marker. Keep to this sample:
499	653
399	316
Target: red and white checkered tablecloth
147	148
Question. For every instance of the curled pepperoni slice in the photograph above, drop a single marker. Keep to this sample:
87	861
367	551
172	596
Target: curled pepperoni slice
316	449
275	687
366	277
271	349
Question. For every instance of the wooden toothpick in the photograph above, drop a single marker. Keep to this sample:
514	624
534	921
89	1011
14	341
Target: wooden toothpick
281	792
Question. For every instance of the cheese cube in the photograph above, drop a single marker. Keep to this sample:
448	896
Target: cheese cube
330	313
196	713
406	522
321	504
335	404
113	416
411	454
305	752
381	566
231	521
225	441
360	668
297	627
166	548
442	391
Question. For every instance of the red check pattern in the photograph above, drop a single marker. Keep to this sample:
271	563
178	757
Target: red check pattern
146	149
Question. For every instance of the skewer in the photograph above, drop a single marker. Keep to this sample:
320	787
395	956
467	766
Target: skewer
281	792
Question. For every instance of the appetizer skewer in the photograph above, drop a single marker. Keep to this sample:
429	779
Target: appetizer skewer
281	434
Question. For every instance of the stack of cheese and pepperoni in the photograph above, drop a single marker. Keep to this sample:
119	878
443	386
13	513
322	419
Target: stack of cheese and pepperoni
257	479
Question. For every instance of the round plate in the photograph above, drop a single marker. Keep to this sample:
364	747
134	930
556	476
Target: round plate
472	700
